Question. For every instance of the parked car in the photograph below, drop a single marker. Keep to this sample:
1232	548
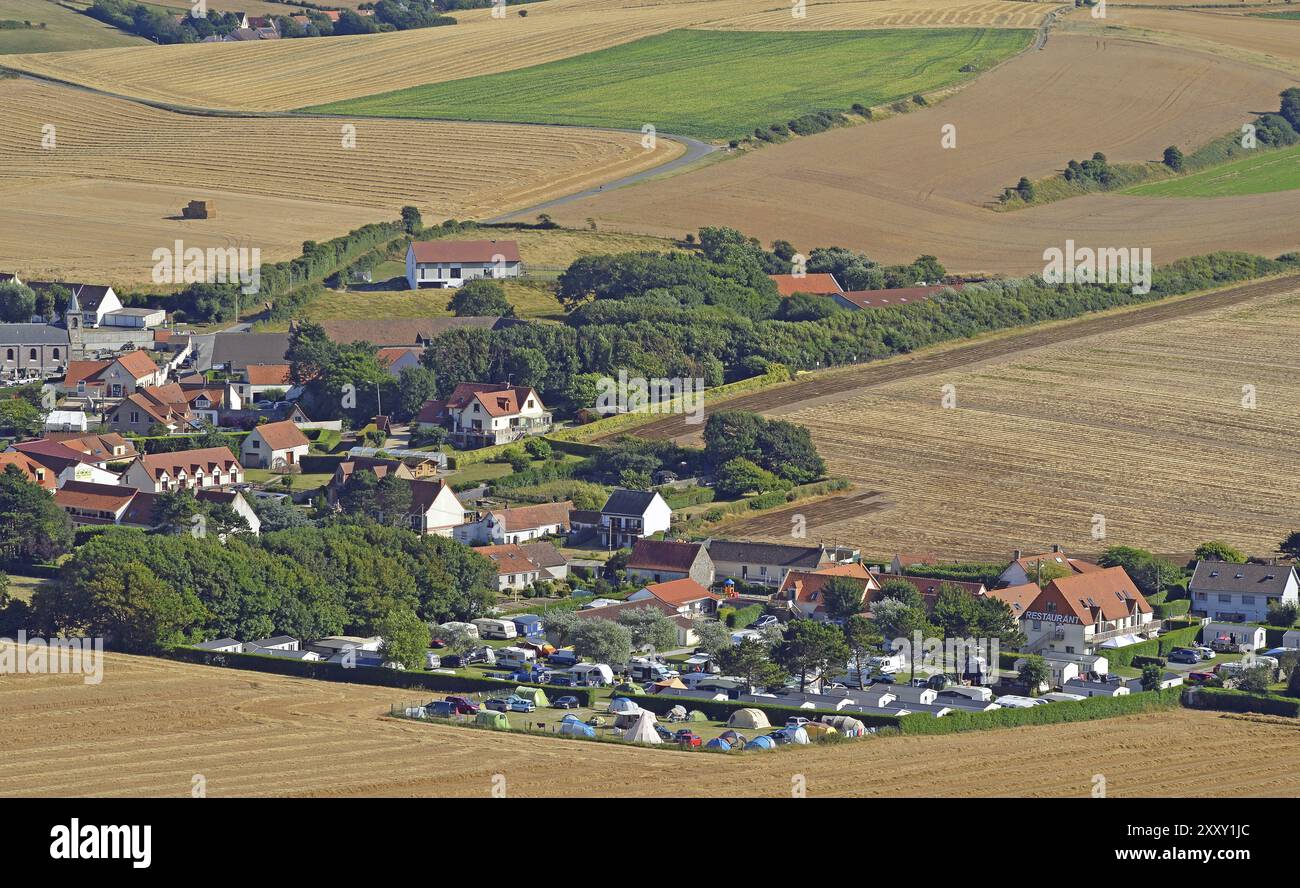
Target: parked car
563	658
464	705
1183	655
919	683
1198	677
563	681
453	661
763	622
664	734
497	704
519	704
882	678
796	721
440	709
686	737
566	703
1207	653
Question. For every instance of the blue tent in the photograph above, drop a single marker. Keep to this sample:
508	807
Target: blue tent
576	728
718	743
761	743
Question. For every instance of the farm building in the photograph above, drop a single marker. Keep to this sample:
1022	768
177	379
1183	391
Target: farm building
814	284
895	298
452	263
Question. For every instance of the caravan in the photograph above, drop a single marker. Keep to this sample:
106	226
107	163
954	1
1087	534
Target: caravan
500	629
515	658
592	674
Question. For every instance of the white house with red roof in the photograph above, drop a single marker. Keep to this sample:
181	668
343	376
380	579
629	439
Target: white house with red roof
274	445
1088	612
184	470
445	263
482	414
1028	568
804	591
112	379
686	595
521	524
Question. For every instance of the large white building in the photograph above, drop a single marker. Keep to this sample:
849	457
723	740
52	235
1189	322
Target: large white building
452	263
1085	612
1240	593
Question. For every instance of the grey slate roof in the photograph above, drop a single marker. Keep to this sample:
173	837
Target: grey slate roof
32	334
241	349
1251	579
628	502
765	553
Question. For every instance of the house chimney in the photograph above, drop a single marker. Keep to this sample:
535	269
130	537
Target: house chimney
1056	547
1015	554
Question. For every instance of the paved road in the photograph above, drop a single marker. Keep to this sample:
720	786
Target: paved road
871	375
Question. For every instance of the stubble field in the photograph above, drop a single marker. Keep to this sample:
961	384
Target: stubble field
153	725
893	190
286	74
108	191
1150	428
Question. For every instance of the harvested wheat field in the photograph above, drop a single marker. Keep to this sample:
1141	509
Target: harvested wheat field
1147	427
287	74
152	725
1273	43
105	196
890	189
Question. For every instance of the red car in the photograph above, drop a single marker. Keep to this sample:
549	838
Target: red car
687	738
463	705
1199	676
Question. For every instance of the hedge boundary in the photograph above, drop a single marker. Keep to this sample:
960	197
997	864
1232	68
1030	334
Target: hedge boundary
1091	709
391	678
1226	700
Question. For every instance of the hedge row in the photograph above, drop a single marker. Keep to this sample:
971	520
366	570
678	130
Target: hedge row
1156	647
1049	714
1177	608
1224	700
392	678
721	710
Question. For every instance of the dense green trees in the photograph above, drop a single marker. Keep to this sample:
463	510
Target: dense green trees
481	297
782	448
17	303
307	582
31	525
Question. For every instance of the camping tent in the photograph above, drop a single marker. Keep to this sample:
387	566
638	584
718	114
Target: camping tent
761	743
623	704
748	718
673	683
677	713
816	730
536	695
718	743
797	736
490	718
697	716
644	730
733	737
575	728
845	724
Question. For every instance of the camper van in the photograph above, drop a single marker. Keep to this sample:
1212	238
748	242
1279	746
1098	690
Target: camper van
592	674
644	670
515	657
888	663
563	657
502	629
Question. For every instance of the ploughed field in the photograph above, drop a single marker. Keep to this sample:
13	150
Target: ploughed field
108	189
1173	433
710	84
152	725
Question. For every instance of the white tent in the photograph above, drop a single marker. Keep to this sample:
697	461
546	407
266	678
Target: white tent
644	730
748	718
797	735
623	705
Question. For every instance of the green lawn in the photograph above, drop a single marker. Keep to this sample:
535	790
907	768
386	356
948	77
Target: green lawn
710	84
65	29
1266	172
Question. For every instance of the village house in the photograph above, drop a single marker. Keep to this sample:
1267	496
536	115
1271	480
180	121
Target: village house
515	570
516	525
656	561
1087	613
380	468
688	596
34	471
143	411
117	378
435	510
275	445
1240	593
686	635
483	414
928	587
814	284
399	358
803	591
184	470
903	560
88	504
764	564
63	462
1018	598
452	263
629	515
1026	568
255	380
553	564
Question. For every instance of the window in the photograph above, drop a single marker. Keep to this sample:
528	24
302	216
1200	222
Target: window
1225	599
1201	596
135	416
56	354
1038	625
256	444
32	355
1248	599
9	354
455	271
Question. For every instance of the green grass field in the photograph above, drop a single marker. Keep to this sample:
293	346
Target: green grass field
710	84
65	29
1269	171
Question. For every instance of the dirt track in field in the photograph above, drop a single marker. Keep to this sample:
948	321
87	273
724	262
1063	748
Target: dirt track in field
152	725
808	392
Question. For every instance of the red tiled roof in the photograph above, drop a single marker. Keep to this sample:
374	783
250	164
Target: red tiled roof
679	592
465	251
282	435
29	467
138	364
529	517
509	559
1108	592
816	284
267	374
189	461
